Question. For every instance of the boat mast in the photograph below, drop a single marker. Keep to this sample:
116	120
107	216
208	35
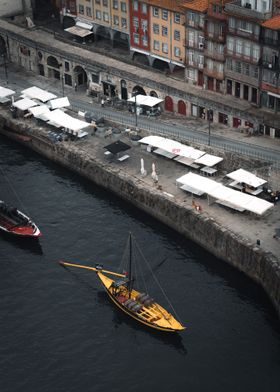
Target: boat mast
130	267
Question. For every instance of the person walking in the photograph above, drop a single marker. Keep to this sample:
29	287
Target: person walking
75	85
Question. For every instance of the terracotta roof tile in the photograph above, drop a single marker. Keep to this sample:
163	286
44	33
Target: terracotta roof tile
196	5
173	5
273	23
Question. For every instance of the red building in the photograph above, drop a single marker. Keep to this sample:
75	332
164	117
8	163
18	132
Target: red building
139	26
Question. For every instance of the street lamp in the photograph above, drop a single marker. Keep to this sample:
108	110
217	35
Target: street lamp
135	111
4	55
210	118
62	78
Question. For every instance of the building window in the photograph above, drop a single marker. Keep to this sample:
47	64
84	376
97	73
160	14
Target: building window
155	12
177	17
144	26
177	52
135	5
246	69
116	20
98	14
105	16
135	22
164	31
156	45
123	6
97	1
81	9
239	47
230	44
238	66
115	4
156	28
136	38
144	40
124	23
66	66
256	52
88	11
105	3
229	64
164	14
165	48
144	8
177	35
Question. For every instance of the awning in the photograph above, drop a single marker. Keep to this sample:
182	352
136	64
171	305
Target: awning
24	104
59	103
40	112
6	92
223	194
38	93
208	160
61	119
247	178
84	25
145	100
79	31
117	147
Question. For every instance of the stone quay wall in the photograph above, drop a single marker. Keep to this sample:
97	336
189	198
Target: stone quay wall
261	266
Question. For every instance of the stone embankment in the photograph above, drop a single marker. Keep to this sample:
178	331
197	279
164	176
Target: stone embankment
258	264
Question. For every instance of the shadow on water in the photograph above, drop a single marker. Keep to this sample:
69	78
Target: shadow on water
171	339
30	244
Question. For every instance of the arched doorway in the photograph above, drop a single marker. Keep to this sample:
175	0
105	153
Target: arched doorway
140	58
168	104
138	90
153	94
182	108
53	67
124	95
80	76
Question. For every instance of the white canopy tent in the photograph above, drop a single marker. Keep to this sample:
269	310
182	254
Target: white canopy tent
40	112
145	100
172	146
24	104
247	178
59	103
208	160
37	93
60	119
222	194
6	92
78	31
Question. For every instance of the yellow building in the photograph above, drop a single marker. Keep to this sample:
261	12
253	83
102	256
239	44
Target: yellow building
167	31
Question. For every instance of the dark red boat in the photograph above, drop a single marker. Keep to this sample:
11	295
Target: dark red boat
15	222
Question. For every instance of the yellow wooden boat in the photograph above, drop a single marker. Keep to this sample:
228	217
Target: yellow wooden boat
136	304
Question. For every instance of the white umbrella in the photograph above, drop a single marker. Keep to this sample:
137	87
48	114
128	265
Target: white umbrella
154	174
143	171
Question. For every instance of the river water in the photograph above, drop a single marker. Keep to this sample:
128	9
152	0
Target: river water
60	332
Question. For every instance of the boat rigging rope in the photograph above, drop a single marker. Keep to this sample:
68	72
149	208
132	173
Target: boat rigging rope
156	280
13	189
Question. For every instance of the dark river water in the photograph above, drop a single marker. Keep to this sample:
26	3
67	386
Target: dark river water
60	332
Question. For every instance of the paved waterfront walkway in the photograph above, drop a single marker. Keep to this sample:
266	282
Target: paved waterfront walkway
246	225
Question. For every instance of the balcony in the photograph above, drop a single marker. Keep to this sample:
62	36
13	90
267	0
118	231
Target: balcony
214	73
241	57
215	36
244	34
236	8
272	88
214	55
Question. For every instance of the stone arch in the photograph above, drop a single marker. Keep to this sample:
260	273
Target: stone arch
68	21
80	76
120	40
182	107
138	90
102	33
124	94
53	67
153	94
140	58
3	47
160	65
168	104
53	62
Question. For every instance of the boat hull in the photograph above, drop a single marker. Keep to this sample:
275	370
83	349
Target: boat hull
175	326
16	223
